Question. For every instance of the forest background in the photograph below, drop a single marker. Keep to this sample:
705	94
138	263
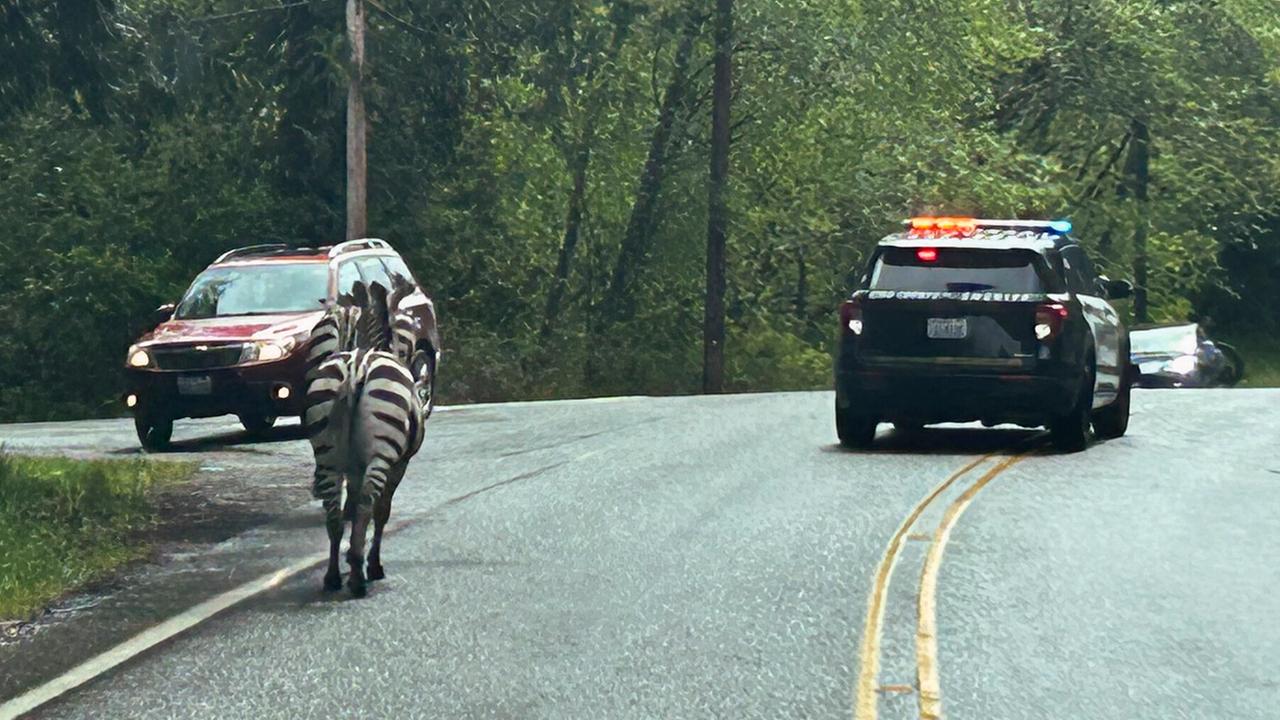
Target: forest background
543	166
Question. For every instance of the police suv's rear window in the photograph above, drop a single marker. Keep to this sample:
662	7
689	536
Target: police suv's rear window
962	270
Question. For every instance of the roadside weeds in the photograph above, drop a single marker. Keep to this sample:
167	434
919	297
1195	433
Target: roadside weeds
67	523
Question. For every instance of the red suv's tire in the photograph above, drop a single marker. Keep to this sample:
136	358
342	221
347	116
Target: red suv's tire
255	424
153	433
423	368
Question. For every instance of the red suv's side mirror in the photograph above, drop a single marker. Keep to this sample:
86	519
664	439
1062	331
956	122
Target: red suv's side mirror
162	314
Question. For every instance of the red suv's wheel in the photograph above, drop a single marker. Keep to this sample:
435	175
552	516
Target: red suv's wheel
423	367
153	433
256	424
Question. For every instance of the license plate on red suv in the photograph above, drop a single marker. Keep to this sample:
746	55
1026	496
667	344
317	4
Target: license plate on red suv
195	385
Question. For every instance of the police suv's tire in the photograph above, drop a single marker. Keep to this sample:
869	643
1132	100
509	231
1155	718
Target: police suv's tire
855	430
1070	432
256	424
908	429
1113	420
153	433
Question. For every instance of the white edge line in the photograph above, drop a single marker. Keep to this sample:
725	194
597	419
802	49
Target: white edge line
149	638
541	403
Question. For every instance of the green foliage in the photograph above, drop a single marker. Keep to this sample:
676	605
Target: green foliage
768	358
135	156
66	522
1261	355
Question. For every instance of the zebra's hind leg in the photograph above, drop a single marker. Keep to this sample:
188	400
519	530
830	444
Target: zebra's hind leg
355	552
371	487
326	488
381	513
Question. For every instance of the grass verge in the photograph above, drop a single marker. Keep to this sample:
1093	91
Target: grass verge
64	523
1261	360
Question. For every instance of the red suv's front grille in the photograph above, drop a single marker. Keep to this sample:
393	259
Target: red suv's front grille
197	357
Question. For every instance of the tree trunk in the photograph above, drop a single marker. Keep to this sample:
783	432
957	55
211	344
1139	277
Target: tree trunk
801	301
717	208
1138	166
580	160
356	160
636	240
572	228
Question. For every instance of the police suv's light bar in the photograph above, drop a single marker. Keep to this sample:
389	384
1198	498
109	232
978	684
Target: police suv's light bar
967	226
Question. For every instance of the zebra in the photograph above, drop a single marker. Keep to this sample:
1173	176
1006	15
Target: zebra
331	335
365	423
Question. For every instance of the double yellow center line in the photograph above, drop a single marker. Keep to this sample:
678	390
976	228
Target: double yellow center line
927	683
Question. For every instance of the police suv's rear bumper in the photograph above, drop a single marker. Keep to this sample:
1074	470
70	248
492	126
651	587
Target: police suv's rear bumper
932	390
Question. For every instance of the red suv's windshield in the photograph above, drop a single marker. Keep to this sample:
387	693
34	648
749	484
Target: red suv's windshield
255	290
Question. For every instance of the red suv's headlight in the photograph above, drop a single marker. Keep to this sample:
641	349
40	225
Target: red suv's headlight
270	350
138	358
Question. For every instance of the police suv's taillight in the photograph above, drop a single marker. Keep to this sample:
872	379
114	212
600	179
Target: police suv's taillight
851	317
1049	319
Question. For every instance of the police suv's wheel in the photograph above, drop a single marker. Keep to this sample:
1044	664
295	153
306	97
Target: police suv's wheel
423	367
1070	432
854	430
153	433
1113	420
256	424
907	428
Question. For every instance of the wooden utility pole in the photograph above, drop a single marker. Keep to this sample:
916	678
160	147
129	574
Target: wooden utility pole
357	211
717	208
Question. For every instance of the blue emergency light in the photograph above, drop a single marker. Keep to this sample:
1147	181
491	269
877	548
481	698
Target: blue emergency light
967	226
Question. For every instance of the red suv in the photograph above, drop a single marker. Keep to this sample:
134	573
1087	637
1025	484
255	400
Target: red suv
236	342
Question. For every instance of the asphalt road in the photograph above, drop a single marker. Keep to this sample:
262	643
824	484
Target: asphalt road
717	557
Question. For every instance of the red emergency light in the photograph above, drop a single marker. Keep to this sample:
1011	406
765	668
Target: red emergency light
957	226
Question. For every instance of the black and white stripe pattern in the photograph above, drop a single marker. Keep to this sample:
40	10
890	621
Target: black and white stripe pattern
403	337
365	422
330	336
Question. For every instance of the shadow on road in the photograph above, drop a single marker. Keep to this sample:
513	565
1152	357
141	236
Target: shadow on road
305	591
943	441
236	441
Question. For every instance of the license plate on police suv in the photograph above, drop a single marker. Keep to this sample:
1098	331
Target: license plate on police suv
947	328
195	385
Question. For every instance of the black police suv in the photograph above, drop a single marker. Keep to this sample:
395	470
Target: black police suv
998	321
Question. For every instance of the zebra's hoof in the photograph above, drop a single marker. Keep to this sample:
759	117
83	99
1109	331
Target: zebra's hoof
359	589
376	572
332	583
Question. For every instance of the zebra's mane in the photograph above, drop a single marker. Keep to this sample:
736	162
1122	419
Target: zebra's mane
365	318
373	330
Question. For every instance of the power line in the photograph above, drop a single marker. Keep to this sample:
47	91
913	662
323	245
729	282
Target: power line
251	11
379	6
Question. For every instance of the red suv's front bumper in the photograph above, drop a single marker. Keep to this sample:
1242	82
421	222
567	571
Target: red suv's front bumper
254	389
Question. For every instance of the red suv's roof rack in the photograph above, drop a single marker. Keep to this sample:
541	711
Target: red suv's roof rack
268	249
265	249
360	244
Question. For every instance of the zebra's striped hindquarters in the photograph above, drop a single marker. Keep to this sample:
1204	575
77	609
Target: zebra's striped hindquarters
387	427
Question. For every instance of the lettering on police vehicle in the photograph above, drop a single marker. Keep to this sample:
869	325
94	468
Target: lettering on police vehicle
961	296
